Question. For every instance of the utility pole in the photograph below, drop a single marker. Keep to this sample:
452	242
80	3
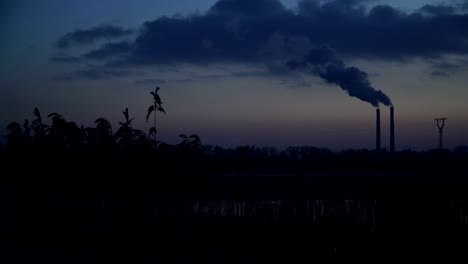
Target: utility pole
440	124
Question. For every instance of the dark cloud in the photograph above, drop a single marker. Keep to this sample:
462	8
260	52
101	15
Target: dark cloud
439	74
332	8
101	73
384	14
146	82
219	74
109	50
324	63
464	5
446	66
247	8
65	59
90	36
437	10
95	73
260	30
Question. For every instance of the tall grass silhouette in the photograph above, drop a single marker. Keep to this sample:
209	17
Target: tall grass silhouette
154	108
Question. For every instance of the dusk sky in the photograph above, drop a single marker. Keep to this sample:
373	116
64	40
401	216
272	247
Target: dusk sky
243	72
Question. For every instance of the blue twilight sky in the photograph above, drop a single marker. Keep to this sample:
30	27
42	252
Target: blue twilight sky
241	72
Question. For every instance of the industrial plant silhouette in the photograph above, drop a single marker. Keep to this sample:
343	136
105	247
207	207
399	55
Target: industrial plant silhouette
75	194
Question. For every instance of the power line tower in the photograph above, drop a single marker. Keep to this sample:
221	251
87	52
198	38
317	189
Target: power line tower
440	124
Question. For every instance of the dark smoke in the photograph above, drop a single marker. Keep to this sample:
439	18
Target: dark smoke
324	63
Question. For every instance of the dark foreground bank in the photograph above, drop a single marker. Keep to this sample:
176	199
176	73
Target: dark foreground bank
73	218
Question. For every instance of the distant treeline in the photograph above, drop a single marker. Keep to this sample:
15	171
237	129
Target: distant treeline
63	142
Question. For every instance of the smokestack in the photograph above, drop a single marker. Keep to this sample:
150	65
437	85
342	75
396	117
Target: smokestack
392	130
377	132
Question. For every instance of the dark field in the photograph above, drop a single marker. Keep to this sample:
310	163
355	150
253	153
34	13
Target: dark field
235	219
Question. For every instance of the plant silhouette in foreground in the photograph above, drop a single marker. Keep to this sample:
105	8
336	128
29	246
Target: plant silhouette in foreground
190	142
15	134
125	135
38	127
157	106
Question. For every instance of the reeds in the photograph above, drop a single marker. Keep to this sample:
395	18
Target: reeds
312	211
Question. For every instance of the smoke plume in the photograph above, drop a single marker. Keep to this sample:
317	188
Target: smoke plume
324	63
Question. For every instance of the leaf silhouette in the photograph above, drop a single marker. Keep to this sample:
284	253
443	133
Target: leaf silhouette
13	126
125	113
26	124
156	106
36	112
102	121
104	126
53	115
150	110
194	136
138	132
37	126
152	131
119	132
15	132
38	116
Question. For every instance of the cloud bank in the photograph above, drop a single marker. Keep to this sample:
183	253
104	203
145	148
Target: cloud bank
252	30
265	31
90	36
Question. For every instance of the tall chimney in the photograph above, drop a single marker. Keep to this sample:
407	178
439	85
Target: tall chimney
377	131
392	130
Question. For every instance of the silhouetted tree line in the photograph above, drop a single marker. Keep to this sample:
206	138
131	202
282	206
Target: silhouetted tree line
57	140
